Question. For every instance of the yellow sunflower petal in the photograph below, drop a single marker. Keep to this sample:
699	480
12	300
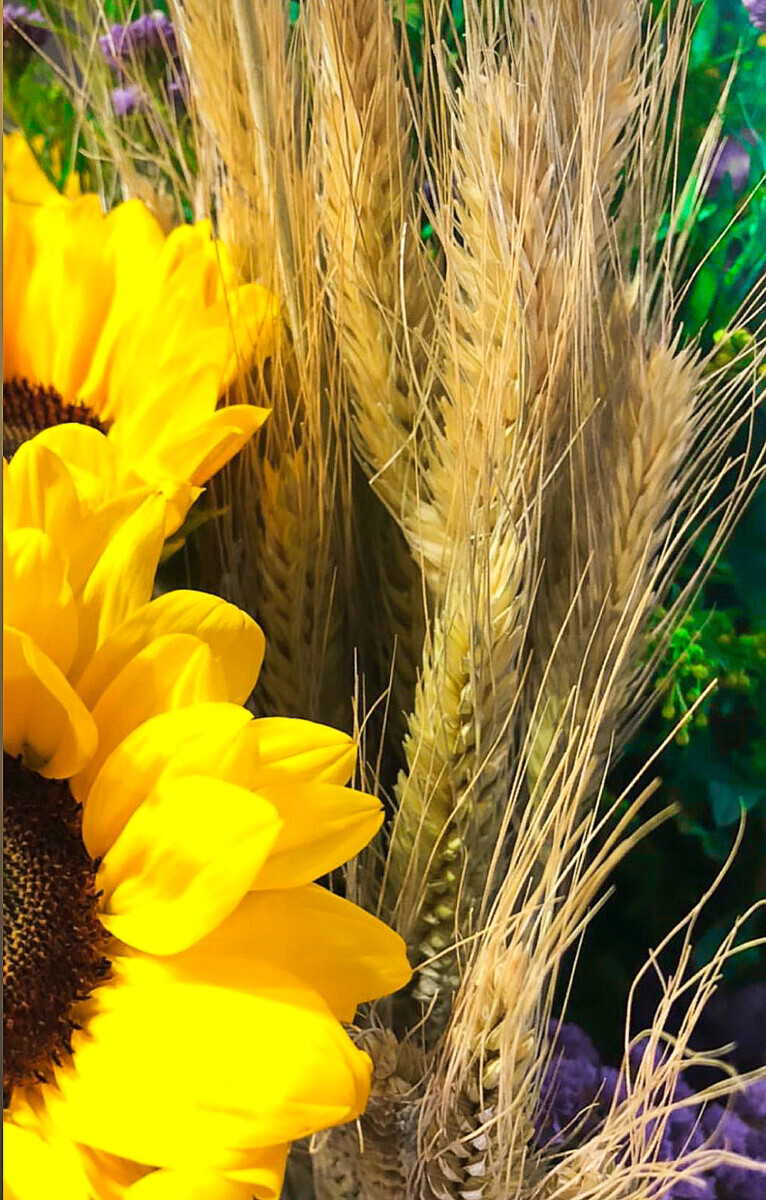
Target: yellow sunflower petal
37	598
85	542
123	577
24	180
174	671
40	493
34	1167
130	239
44	720
167	1073
331	945
198	453
52	347
235	640
18	257
90	457
274	750
81	280
185	742
189	1185
265	1175
183	862
324	826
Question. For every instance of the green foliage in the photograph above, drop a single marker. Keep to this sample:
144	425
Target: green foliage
729	235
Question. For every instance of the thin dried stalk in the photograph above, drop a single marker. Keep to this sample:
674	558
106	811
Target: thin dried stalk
144	157
622	1157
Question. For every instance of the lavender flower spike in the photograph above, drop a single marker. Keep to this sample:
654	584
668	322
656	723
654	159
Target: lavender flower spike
732	159
23	24
126	100
756	10
151	34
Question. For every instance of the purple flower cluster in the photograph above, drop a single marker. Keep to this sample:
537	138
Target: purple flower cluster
151	41
732	158
756	10
152	34
578	1090
23	26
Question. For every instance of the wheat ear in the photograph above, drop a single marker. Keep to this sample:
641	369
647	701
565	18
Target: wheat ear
482	465
452	795
377	1158
379	276
624	480
506	336
282	539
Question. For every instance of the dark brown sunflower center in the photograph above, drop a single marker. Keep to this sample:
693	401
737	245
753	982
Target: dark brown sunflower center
53	941
29	408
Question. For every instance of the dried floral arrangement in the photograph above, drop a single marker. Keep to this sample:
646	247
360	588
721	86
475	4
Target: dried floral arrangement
501	461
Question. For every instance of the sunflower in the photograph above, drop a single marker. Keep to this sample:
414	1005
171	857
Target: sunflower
111	324
23	180
174	982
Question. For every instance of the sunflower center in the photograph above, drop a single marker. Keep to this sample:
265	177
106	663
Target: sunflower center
28	408
53	941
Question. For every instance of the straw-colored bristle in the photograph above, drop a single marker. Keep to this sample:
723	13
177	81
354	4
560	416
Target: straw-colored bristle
622	1157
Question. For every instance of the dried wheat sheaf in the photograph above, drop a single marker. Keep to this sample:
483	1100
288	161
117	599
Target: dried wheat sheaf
488	454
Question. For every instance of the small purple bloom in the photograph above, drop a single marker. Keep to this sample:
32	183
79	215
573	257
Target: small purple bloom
151	34
576	1089
739	1017
22	26
733	159
737	1183
750	1105
126	100
756	10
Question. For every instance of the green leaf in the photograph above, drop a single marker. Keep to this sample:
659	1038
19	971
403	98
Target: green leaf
702	297
727	799
704	35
